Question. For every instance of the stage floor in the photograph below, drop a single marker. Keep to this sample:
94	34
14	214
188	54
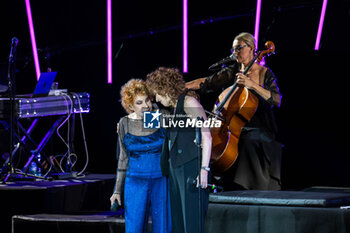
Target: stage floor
82	205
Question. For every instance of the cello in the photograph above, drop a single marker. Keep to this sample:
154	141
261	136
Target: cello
234	107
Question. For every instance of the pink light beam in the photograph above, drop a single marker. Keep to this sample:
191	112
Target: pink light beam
185	37
257	22
320	25
32	38
109	41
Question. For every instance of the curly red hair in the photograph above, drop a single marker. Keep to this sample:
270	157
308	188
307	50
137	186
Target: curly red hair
130	90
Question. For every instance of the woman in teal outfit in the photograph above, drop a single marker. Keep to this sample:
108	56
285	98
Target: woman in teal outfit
145	190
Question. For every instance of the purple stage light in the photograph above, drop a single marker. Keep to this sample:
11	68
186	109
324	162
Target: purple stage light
32	38
185	37
320	25
109	41
257	22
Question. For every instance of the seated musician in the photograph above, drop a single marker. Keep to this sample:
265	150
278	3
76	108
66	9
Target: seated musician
259	154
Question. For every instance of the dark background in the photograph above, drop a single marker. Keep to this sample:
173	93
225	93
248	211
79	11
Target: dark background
71	39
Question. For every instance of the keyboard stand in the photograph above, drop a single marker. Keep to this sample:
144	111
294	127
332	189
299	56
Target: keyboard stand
30	144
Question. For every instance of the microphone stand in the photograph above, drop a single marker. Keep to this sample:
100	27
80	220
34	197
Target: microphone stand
222	64
199	152
11	94
12	115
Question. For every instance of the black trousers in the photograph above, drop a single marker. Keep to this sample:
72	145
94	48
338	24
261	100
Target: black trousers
186	214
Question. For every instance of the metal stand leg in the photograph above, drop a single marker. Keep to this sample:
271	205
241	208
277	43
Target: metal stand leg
43	143
21	141
35	152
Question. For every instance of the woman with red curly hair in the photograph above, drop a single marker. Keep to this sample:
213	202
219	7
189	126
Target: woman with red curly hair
180	158
145	189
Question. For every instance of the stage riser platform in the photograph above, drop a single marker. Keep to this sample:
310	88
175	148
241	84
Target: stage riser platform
315	210
320	211
43	223
61	227
228	218
62	196
221	218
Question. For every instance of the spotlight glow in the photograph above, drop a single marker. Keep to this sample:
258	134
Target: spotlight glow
257	22
320	25
32	38
109	41
185	37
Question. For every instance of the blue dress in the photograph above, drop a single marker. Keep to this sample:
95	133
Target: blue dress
146	190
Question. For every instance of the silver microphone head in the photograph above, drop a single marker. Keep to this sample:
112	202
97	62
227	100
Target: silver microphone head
14	40
233	56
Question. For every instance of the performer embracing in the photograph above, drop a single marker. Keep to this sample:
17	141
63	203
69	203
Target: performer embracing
259	154
179	156
139	165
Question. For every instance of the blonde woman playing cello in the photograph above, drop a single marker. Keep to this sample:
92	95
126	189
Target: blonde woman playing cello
259	154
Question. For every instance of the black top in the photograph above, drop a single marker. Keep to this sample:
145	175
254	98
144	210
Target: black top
179	143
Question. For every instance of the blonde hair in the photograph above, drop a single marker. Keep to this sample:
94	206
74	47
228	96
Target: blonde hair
130	90
247	38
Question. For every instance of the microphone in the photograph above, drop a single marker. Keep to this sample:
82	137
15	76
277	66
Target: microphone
217	65
193	182
117	209
14	43
199	134
114	206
